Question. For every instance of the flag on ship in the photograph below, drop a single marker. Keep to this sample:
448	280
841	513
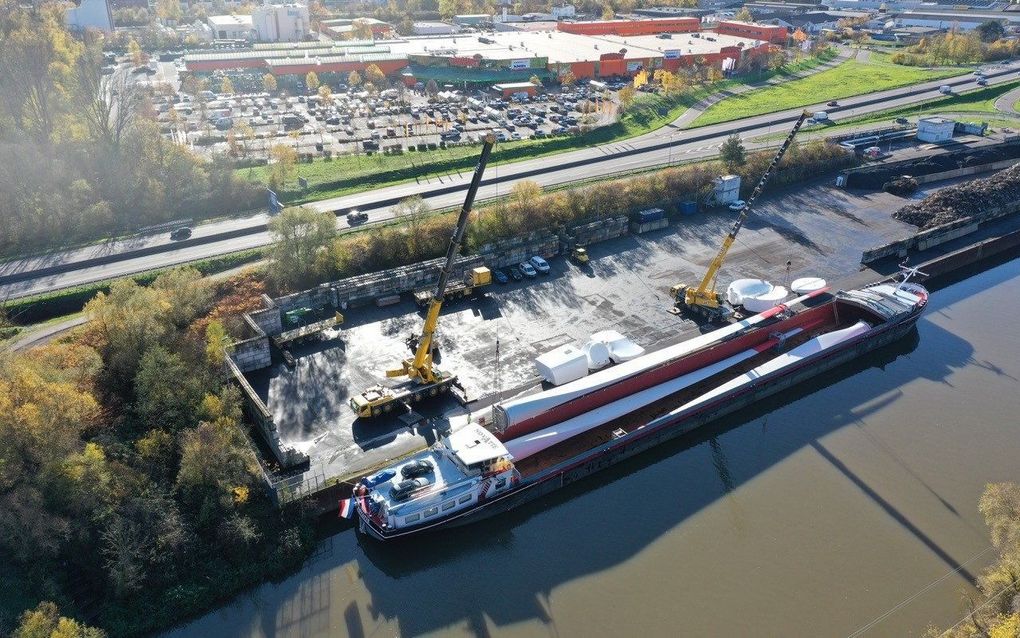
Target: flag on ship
347	508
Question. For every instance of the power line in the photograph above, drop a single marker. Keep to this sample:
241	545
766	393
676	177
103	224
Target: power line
861	630
970	614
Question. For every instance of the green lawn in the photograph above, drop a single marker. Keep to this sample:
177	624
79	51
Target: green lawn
349	174
846	80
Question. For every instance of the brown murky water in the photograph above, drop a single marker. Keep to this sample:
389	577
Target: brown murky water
845	508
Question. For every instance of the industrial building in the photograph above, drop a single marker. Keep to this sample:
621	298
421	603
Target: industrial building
232	27
647	26
774	34
281	22
504	57
90	14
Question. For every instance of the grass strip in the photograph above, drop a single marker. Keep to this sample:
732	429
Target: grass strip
849	79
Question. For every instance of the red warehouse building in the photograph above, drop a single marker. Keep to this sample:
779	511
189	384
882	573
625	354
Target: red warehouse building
651	26
767	32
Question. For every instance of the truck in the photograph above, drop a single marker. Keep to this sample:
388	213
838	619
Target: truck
473	280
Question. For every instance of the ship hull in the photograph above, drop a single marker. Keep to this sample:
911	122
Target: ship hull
649	436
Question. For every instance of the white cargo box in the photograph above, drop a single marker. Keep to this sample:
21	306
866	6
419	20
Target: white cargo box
562	365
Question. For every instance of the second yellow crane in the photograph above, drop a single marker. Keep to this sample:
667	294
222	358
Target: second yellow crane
705	300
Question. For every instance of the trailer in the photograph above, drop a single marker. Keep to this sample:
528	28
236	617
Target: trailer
473	280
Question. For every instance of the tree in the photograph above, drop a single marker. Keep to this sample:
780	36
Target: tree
284	158
362	30
128	321
169	10
136	53
534	79
607	12
626	96
732	153
744	15
414	210
45	621
311	81
186	294
991	30
375	75
325	95
215	461
298	234
216	342
431	88
269	83
226	86
354	79
568	79
167	391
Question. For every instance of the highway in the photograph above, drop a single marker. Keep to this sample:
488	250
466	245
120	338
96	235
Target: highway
658	148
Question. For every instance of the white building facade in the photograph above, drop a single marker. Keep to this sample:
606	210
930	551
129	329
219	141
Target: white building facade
281	22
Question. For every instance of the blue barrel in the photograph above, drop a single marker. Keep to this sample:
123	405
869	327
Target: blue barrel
689	207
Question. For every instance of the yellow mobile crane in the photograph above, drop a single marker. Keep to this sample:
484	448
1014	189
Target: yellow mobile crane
426	381
705	300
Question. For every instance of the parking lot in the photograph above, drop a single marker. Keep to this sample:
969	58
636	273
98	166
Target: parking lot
354	121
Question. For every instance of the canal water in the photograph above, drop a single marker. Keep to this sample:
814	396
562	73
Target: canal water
847	507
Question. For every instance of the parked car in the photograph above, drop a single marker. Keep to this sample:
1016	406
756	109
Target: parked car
737	205
528	270
404	489
500	276
414	469
178	234
540	264
515	273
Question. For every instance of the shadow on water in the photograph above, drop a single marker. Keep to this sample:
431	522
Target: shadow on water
426	583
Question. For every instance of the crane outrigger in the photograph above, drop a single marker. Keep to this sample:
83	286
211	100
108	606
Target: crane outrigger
705	300
426	380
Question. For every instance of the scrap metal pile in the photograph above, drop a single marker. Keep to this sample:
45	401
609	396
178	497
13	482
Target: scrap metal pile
876	176
964	200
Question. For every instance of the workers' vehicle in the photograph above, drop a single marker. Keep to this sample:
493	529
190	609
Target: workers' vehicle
515	273
541	265
500	276
414	469
424	380
178	234
736	205
580	255
705	300
402	490
356	217
473	280
528	270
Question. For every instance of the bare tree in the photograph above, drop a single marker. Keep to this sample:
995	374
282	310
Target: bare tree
107	103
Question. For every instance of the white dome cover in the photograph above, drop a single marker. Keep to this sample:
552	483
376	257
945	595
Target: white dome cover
597	353
763	302
805	285
741	288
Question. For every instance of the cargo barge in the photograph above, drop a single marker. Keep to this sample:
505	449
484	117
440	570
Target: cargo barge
532	446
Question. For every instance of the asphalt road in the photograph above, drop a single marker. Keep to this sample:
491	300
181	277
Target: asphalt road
661	147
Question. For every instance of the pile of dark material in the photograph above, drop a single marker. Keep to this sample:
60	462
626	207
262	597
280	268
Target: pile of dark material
901	186
964	200
877	176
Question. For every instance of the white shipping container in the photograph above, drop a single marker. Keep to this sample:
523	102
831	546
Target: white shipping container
935	129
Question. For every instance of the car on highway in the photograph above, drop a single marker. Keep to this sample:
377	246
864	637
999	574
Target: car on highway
515	273
541	265
500	276
356	217
528	270
737	205
832	103
178	234
982	82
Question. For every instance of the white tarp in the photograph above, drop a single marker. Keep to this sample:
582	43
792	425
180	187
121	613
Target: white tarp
807	284
562	365
764	301
741	288
620	347
598	355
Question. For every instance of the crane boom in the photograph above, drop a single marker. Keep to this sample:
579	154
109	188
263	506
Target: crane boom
420	367
705	297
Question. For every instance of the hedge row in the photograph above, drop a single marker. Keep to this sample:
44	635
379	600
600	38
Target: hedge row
67	301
